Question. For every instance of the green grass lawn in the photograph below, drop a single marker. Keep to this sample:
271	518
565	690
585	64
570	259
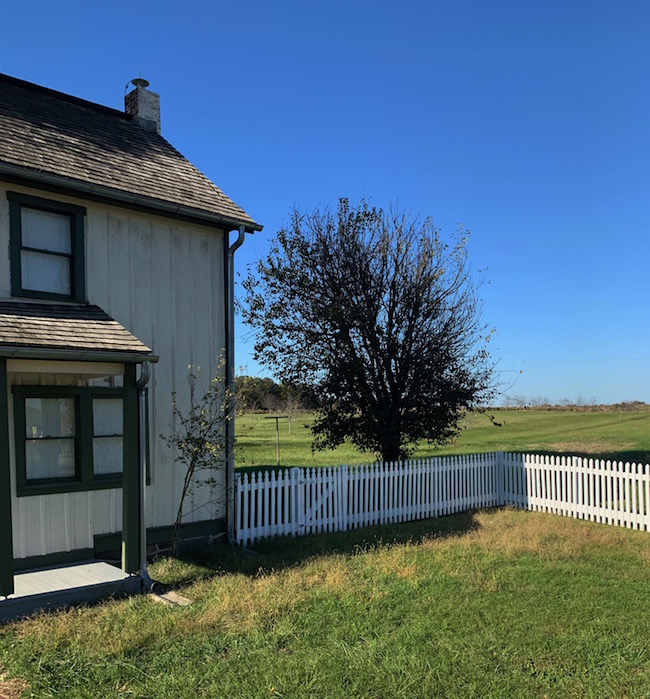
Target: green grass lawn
613	435
488	604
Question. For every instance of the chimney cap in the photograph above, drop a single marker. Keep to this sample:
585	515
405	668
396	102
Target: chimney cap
140	82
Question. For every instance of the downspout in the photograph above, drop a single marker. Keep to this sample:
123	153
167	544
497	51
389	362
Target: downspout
230	382
145	374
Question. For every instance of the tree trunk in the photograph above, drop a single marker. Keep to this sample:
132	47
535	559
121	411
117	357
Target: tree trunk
390	450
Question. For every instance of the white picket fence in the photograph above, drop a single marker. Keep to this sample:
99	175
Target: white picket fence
302	501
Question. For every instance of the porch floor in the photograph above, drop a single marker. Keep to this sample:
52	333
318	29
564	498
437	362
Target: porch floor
66	586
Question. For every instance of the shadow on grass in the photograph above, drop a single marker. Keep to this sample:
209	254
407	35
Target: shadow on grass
638	456
268	468
284	552
631	456
262	468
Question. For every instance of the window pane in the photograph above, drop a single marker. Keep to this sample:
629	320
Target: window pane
50	458
49	417
42	272
107	416
45	230
116	381
107	455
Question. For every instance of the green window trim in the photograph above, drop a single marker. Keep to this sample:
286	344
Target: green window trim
6	535
76	256
84	478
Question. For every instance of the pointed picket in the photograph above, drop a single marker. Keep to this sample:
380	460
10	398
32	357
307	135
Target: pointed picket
328	499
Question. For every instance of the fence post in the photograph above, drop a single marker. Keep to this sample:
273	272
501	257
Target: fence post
343	499
301	521
295	476
576	490
348	495
500	472
238	508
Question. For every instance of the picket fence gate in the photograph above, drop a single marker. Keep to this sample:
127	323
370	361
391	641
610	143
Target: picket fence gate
300	501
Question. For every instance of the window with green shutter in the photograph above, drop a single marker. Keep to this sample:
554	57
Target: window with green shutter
47	248
67	438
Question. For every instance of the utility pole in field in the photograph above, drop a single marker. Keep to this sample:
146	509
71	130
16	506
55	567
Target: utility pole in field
277	419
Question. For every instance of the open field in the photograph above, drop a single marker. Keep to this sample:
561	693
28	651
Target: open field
622	436
488	604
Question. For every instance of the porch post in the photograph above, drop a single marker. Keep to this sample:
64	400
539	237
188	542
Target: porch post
130	477
6	535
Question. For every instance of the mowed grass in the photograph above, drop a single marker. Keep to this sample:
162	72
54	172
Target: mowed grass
613	435
489	604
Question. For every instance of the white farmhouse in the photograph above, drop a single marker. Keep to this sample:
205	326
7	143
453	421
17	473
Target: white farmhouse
115	275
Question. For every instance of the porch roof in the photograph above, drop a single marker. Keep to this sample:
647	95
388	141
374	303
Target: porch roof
43	329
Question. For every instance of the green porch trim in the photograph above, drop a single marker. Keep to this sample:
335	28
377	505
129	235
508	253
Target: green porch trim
160	535
6	534
131	475
191	530
62	485
104	543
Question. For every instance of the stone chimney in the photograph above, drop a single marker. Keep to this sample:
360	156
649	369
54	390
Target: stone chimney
143	106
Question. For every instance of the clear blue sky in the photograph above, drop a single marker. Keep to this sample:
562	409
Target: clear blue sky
528	122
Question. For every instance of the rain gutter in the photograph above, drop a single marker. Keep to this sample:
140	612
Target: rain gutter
76	355
230	381
145	374
109	195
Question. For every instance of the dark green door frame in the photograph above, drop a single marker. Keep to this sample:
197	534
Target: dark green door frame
131	475
6	533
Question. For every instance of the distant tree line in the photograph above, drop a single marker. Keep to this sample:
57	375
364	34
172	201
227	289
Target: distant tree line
579	404
264	395
254	394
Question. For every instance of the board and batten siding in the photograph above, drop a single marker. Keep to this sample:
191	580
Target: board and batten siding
163	280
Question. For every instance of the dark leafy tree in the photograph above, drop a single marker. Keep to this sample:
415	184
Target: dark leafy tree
380	318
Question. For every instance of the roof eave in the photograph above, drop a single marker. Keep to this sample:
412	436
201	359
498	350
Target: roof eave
104	194
118	357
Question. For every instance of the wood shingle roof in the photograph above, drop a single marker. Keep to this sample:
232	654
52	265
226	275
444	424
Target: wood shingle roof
90	148
81	328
